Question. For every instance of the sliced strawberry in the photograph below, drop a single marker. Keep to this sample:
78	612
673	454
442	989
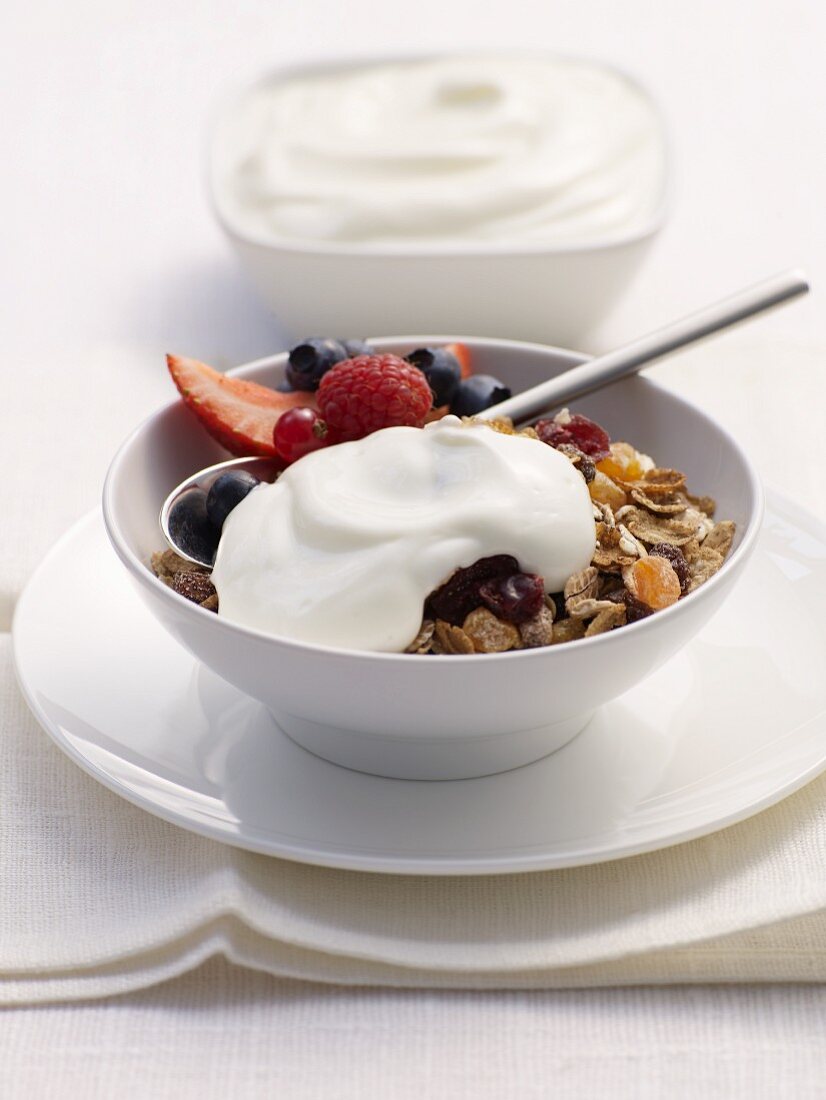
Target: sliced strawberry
241	415
462	353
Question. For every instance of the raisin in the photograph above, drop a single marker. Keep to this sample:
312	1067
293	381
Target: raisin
457	597
583	433
193	586
559	603
635	609
676	558
584	463
516	598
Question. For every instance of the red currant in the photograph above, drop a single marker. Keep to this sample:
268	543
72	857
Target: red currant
298	432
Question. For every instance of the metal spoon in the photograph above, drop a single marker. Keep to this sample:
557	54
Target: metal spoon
605	369
201	541
571	384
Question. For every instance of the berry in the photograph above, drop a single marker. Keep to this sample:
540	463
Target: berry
298	432
460	594
516	598
362	395
240	415
583	433
310	360
476	393
441	369
676	558
228	490
190	528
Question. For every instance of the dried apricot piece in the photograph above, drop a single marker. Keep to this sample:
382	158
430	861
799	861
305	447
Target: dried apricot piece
605	491
622	463
653	581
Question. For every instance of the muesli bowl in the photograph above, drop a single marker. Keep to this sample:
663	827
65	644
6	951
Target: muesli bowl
438	717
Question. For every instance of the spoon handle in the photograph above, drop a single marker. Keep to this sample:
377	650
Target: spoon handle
605	369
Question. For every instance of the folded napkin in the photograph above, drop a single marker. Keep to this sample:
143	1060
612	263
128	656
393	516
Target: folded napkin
101	897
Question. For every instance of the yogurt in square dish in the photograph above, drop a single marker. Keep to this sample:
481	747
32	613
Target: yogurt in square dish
519	149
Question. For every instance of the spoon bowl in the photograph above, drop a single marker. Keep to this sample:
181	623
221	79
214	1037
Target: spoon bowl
197	551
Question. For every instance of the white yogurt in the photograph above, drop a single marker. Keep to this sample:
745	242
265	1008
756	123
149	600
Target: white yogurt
499	148
345	546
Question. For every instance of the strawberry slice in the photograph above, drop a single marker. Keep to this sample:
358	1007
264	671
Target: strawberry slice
462	353
241	415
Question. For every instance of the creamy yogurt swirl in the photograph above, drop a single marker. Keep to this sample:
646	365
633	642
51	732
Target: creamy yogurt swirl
453	149
343	549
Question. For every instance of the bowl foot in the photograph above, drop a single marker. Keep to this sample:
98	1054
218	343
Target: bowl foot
430	757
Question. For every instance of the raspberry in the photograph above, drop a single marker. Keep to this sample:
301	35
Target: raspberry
361	395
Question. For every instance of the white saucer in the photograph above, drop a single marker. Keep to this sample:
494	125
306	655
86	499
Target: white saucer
732	725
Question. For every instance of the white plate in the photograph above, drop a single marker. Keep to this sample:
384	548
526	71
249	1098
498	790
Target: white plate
732	725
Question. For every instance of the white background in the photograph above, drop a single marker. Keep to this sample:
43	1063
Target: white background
110	258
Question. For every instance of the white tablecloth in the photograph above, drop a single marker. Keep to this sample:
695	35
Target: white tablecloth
109	249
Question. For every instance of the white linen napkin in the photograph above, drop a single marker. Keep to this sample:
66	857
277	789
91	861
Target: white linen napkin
100	897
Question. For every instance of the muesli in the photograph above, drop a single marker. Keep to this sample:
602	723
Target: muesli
655	541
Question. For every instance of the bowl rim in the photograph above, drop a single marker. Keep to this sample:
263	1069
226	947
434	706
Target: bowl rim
144	575
298	246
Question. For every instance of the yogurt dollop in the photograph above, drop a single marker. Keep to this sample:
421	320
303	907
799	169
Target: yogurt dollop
453	149
343	549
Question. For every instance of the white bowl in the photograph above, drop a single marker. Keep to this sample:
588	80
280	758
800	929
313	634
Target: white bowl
435	717
542	292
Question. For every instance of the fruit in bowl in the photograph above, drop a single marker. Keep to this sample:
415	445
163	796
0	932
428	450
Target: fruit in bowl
426	715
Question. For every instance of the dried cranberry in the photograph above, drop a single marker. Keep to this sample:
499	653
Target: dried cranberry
516	598
676	559
583	433
459	595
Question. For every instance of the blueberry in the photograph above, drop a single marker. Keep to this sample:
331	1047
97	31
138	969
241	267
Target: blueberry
226	491
310	360
441	369
476	393
190	528
356	347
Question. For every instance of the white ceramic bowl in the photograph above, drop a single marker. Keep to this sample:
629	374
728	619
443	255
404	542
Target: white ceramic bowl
437	717
540	292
